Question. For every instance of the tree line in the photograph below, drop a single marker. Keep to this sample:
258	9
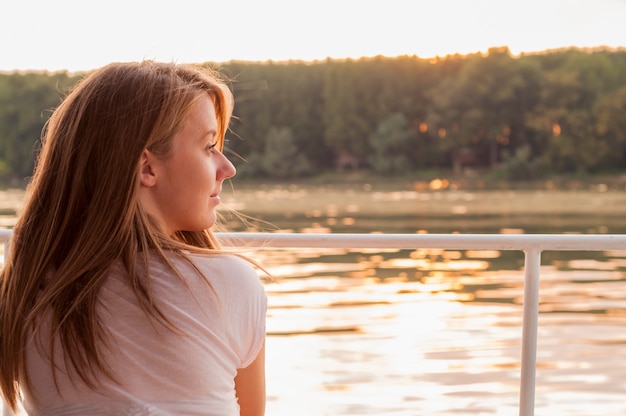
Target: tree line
522	117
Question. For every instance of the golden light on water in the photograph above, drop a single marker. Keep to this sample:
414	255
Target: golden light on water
398	323
438	184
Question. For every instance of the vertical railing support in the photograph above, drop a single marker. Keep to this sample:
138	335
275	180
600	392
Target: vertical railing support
532	264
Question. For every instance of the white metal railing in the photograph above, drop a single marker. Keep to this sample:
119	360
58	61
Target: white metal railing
532	245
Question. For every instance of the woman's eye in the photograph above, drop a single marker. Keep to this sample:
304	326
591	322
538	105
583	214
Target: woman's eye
210	148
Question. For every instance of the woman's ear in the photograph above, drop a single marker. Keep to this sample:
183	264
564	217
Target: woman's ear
147	176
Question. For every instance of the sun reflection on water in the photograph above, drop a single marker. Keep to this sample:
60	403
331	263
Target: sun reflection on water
401	332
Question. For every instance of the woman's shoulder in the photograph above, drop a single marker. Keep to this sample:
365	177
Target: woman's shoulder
219	269
221	261
233	279
225	268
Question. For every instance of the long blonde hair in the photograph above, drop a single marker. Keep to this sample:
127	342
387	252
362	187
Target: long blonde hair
82	212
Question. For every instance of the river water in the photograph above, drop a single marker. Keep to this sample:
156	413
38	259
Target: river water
432	332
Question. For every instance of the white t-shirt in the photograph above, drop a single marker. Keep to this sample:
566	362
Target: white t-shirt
162	372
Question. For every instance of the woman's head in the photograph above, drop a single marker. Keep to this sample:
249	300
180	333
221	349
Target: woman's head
181	191
95	139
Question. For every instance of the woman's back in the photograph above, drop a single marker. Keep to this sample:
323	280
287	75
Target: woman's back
160	371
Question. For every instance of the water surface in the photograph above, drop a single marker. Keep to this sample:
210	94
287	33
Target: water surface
433	332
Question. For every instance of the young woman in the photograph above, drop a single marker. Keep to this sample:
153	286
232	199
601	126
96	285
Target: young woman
116	298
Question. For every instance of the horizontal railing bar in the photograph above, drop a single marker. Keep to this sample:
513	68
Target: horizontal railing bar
543	242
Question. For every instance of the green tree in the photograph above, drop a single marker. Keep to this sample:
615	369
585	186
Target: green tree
610	128
389	143
26	101
282	158
566	119
347	109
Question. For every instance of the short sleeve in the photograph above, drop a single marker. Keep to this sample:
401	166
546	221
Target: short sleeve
244	301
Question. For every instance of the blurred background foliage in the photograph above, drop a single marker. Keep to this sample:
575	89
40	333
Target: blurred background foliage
520	118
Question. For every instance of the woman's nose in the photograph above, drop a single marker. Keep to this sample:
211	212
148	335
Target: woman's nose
227	169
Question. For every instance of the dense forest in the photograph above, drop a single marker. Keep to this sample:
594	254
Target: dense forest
522	117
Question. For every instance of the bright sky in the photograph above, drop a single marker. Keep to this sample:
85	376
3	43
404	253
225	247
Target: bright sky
83	34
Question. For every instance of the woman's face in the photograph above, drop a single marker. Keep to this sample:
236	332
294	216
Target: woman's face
188	181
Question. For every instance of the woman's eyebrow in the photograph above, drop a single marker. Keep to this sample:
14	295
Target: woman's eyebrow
210	133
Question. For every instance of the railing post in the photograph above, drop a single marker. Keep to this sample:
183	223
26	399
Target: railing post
532	264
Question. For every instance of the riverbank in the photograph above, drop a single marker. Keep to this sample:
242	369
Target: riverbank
443	180
420	181
586	203
429	195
